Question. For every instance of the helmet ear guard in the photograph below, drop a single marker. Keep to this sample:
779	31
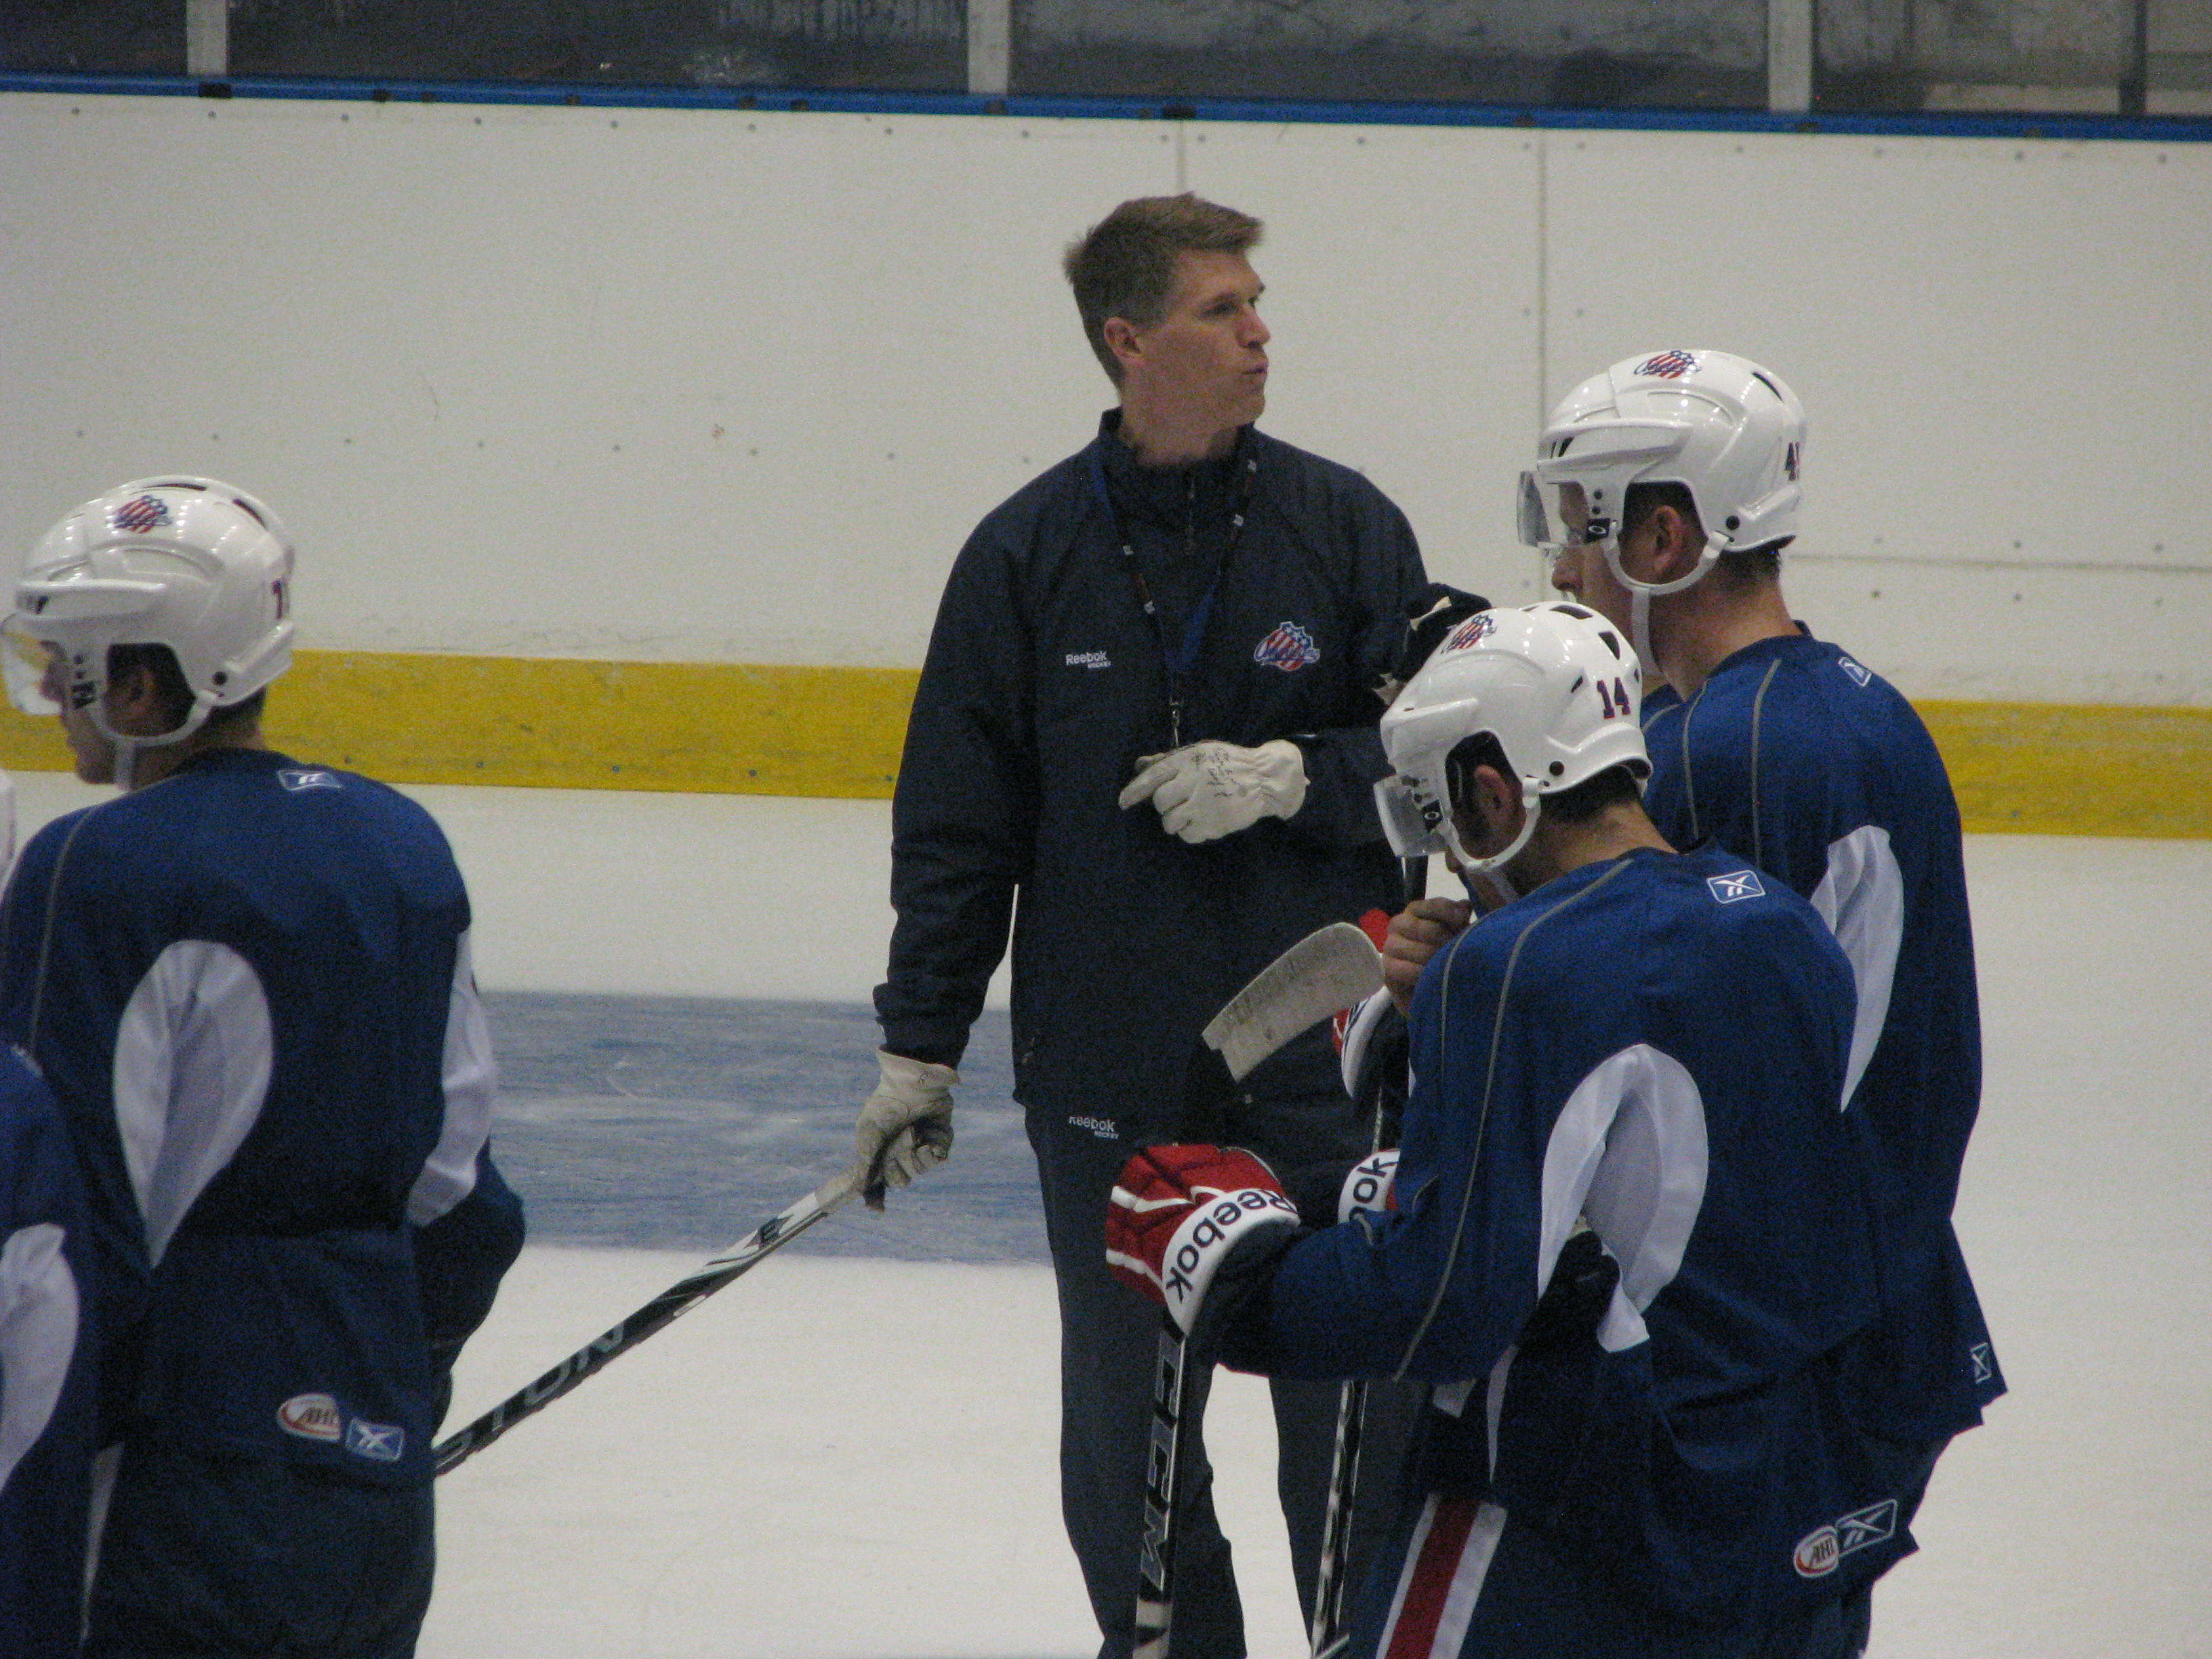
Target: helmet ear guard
1554	684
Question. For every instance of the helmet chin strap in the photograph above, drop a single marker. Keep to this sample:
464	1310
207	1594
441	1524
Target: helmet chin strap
1641	593
129	746
1494	865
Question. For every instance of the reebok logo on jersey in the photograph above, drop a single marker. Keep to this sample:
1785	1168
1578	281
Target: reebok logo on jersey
1103	1128
1851	668
310	1416
1985	1362
1735	885
1089	659
1289	648
1821	1551
300	778
380	1442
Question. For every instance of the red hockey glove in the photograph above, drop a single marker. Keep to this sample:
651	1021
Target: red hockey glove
1181	1211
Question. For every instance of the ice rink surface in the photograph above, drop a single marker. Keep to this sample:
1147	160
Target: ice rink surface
849	1454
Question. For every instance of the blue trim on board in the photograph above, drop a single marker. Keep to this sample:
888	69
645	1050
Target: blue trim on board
2144	129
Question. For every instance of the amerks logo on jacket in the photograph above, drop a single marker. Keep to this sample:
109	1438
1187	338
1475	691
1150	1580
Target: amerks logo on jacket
1289	648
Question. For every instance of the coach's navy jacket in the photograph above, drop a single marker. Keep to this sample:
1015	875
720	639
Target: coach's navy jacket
1044	685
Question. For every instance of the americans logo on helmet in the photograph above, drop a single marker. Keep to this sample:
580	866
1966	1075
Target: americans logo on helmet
141	514
1289	648
1475	630
1668	365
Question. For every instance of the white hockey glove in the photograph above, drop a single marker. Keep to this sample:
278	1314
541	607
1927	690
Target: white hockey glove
905	1129
1205	791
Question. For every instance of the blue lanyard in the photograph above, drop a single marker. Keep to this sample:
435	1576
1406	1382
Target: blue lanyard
1179	660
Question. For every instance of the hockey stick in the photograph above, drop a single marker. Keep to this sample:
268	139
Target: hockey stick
1332	1572
678	1298
1331	968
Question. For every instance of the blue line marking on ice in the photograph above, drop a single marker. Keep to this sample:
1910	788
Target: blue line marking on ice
682	1123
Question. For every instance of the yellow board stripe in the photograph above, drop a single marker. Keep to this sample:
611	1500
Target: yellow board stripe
2047	769
2077	768
562	723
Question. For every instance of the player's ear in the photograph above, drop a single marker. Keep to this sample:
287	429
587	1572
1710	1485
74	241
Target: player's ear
1677	541
133	696
1486	809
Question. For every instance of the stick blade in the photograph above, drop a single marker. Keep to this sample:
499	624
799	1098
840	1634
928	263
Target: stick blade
1330	969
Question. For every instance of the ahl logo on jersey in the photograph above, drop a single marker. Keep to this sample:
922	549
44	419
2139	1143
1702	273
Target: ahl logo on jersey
1668	365
300	779
1737	886
311	1417
146	512
1822	1550
1289	648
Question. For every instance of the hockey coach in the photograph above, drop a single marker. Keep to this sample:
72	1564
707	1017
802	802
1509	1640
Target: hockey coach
247	982
1145	739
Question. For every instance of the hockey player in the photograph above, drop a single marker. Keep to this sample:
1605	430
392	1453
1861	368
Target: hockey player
45	1373
1147	709
1664	492
246	980
1656	1457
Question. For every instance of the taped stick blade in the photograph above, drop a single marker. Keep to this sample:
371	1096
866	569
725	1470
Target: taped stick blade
1330	969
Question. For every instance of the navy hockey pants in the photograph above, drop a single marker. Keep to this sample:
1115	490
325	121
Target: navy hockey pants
211	1556
1109	1340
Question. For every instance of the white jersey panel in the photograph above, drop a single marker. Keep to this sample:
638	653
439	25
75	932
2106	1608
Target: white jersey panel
38	1337
192	1059
1862	898
1628	1150
472	1081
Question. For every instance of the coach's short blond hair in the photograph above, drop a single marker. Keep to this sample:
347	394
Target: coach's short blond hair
1124	265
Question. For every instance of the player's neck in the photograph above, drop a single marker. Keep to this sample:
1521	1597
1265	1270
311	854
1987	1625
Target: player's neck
1163	436
1560	848
152	764
1707	625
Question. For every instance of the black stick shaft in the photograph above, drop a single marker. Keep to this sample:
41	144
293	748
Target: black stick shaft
1172	1394
678	1299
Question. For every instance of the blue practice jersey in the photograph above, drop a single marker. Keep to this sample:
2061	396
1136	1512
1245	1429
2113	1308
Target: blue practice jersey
248	986
1656	1044
45	1375
1814	769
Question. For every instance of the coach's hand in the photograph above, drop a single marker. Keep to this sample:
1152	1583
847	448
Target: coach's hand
1205	791
906	1127
1179	1212
1416	934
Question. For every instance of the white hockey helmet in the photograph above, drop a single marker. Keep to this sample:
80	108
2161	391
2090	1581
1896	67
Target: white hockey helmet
189	563
1554	683
1729	431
